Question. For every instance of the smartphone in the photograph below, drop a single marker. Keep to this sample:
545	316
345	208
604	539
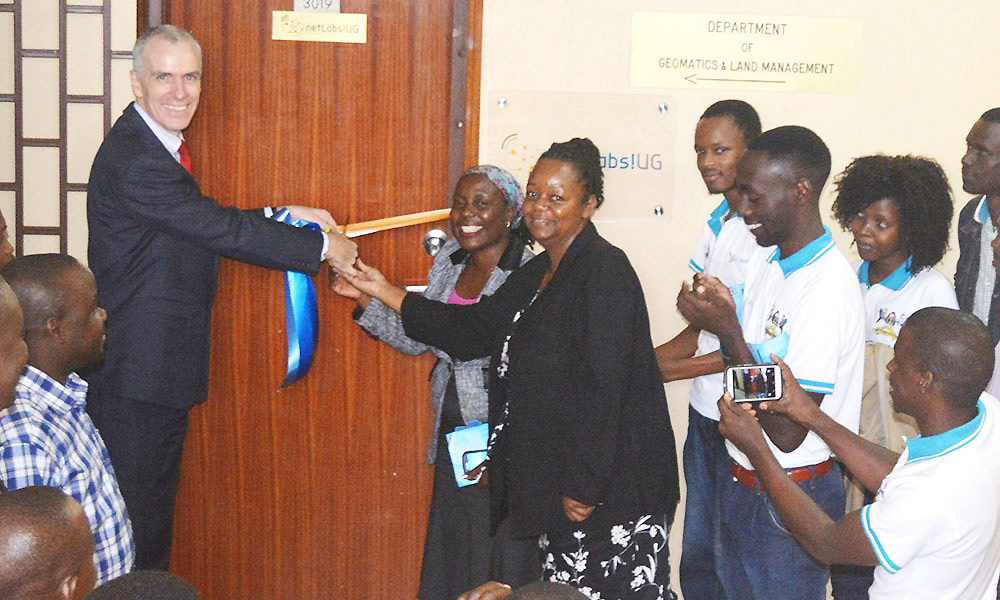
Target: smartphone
472	459
753	383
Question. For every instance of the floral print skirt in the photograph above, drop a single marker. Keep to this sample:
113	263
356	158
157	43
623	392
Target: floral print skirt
629	562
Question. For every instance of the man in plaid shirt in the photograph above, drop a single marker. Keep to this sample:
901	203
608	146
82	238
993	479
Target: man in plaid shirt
46	437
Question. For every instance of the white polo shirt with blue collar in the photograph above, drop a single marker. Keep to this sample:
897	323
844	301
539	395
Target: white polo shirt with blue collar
935	522
889	302
807	309
716	219
728	260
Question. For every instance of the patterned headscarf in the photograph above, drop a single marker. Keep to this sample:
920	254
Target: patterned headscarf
509	187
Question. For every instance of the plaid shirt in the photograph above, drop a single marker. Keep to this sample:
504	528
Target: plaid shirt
47	438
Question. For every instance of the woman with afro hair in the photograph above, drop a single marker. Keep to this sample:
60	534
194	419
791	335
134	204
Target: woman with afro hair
899	209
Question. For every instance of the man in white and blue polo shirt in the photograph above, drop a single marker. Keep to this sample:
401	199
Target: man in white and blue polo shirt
934	528
720	140
802	303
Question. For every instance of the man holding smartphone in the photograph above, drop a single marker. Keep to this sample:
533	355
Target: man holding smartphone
801	303
934	528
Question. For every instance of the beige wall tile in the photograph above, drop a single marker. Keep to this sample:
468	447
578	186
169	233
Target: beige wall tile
85	54
7	208
41	187
123	18
40	20
41	97
6	53
76	218
7	142
121	87
41	244
83	137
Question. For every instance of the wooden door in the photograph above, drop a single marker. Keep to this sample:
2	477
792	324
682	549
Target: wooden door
319	490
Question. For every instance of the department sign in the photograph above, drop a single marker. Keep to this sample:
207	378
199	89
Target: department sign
746	52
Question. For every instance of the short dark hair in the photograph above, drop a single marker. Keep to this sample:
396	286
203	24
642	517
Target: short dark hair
145	585
800	149
920	190
956	348
743	114
586	159
37	282
547	590
991	116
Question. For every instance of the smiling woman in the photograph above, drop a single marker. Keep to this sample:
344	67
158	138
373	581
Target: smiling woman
488	244
581	449
898	208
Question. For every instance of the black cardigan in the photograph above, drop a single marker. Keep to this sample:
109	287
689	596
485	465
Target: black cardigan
588	416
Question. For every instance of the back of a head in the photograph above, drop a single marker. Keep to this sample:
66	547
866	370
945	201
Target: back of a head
800	149
956	348
742	113
547	590
44	539
37	281
146	585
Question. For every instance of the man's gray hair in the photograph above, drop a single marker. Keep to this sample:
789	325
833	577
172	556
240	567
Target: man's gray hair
171	33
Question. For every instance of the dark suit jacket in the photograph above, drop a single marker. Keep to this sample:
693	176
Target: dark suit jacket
588	417
154	247
970	234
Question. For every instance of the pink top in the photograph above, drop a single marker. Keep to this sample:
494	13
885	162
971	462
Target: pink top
454	298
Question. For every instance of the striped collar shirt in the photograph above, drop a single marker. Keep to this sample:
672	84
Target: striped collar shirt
47	438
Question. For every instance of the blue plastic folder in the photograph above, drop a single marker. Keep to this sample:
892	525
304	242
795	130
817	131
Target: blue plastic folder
467	449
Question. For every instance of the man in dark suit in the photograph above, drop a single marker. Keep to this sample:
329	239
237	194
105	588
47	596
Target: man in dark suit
154	247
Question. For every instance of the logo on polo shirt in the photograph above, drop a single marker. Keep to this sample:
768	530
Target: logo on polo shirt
737	258
889	323
775	323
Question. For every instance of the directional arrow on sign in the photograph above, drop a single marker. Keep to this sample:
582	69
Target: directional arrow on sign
694	78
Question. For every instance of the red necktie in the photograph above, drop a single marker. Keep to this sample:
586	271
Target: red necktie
185	155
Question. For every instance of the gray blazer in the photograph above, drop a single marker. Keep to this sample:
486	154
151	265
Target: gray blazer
470	376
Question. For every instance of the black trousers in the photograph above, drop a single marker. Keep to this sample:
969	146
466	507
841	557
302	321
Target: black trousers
145	442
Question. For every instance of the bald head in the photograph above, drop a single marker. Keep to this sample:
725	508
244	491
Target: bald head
956	348
46	547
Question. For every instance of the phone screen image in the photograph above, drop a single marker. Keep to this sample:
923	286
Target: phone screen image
754	383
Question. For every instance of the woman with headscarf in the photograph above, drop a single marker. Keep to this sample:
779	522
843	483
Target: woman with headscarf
581	449
487	244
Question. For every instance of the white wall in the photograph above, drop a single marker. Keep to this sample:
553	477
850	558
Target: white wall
928	70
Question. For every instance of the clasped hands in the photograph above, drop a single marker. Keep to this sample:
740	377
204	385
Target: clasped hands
341	252
708	304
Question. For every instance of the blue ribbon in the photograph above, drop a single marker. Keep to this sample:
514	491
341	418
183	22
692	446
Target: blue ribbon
301	314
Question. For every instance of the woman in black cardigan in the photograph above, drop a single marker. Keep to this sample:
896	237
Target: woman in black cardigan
581	448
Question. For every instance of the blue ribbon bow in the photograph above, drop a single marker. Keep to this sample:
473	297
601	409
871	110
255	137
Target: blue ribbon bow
301	313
